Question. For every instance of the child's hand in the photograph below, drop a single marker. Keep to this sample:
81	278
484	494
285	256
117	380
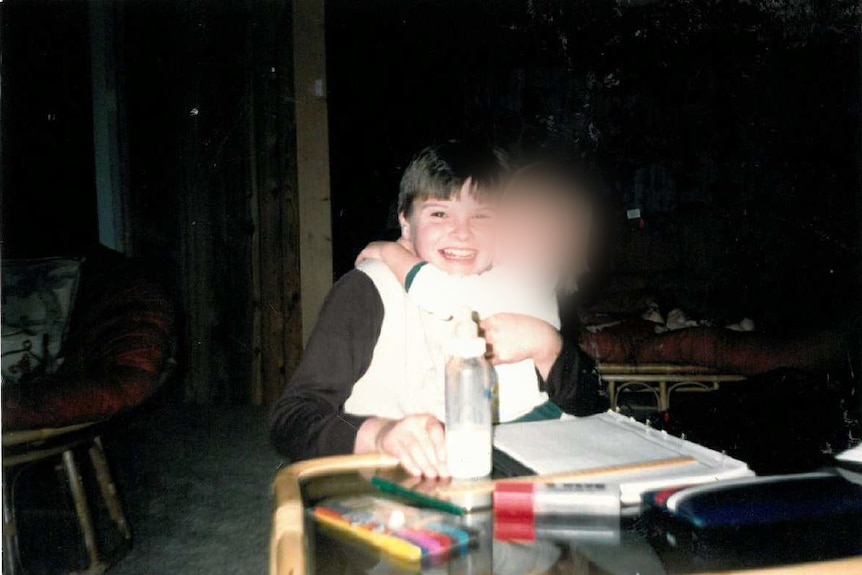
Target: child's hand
514	337
398	256
373	251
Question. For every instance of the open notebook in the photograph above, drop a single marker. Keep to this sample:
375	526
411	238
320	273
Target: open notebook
610	440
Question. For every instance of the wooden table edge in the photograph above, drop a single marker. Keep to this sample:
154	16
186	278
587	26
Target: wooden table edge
287	552
843	566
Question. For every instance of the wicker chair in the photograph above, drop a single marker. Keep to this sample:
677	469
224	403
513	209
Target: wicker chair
117	353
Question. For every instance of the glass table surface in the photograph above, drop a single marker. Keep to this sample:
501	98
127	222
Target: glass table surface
647	544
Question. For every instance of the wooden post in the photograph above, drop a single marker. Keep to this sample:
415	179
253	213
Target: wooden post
256	385
275	204
312	154
195	269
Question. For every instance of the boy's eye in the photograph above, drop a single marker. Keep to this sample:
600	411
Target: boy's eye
438	214
484	216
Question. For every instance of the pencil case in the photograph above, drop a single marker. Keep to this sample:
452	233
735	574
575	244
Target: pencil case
756	501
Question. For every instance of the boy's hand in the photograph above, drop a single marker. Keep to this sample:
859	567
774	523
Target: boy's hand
373	251
514	337
418	441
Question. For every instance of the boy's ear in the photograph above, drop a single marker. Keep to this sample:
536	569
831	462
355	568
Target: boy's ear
405	226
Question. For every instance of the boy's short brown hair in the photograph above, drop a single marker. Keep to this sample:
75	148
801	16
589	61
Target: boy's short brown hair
439	172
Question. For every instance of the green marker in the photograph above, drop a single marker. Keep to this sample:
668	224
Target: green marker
393	488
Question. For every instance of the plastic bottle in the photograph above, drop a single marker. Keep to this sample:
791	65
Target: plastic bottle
468	403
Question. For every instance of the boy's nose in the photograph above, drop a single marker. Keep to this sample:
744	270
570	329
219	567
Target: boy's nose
462	230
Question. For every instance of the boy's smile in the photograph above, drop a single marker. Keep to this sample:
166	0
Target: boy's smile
454	235
464	254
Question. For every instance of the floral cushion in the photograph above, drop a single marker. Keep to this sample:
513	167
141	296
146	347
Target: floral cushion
38	296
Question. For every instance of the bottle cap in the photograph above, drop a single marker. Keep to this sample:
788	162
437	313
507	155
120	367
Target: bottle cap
466	342
474	347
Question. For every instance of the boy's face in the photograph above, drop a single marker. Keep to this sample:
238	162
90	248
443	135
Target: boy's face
456	236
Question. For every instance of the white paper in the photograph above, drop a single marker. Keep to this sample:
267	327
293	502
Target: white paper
609	439
853	455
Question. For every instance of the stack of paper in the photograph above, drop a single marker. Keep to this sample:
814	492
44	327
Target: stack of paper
657	460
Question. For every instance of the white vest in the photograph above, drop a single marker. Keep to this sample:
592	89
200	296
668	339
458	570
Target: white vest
408	367
407	373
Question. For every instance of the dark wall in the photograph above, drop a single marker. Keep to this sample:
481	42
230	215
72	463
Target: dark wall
48	181
210	131
206	100
399	76
186	102
739	112
746	108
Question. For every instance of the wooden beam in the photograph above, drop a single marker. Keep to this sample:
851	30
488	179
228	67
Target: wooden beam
256	394
273	153
195	261
312	154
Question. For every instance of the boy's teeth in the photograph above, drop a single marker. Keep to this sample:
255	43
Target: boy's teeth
456	253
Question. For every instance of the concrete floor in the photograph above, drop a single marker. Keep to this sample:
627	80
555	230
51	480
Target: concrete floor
196	485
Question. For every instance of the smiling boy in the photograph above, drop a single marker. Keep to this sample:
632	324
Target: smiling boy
371	378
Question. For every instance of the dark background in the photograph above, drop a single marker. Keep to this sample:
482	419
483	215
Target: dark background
744	113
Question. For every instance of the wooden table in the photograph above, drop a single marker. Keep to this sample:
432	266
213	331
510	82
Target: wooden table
289	544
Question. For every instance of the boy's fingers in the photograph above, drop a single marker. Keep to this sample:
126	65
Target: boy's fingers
416	449
423	462
412	483
438	440
406	461
429	449
433	438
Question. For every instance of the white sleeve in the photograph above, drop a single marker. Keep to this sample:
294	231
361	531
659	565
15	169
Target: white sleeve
437	292
548	309
500	290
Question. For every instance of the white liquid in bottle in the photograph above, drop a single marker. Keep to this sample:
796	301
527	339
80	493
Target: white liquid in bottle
469	451
468	404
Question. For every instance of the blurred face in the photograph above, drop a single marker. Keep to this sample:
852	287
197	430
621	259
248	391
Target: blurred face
454	235
541	233
528	235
